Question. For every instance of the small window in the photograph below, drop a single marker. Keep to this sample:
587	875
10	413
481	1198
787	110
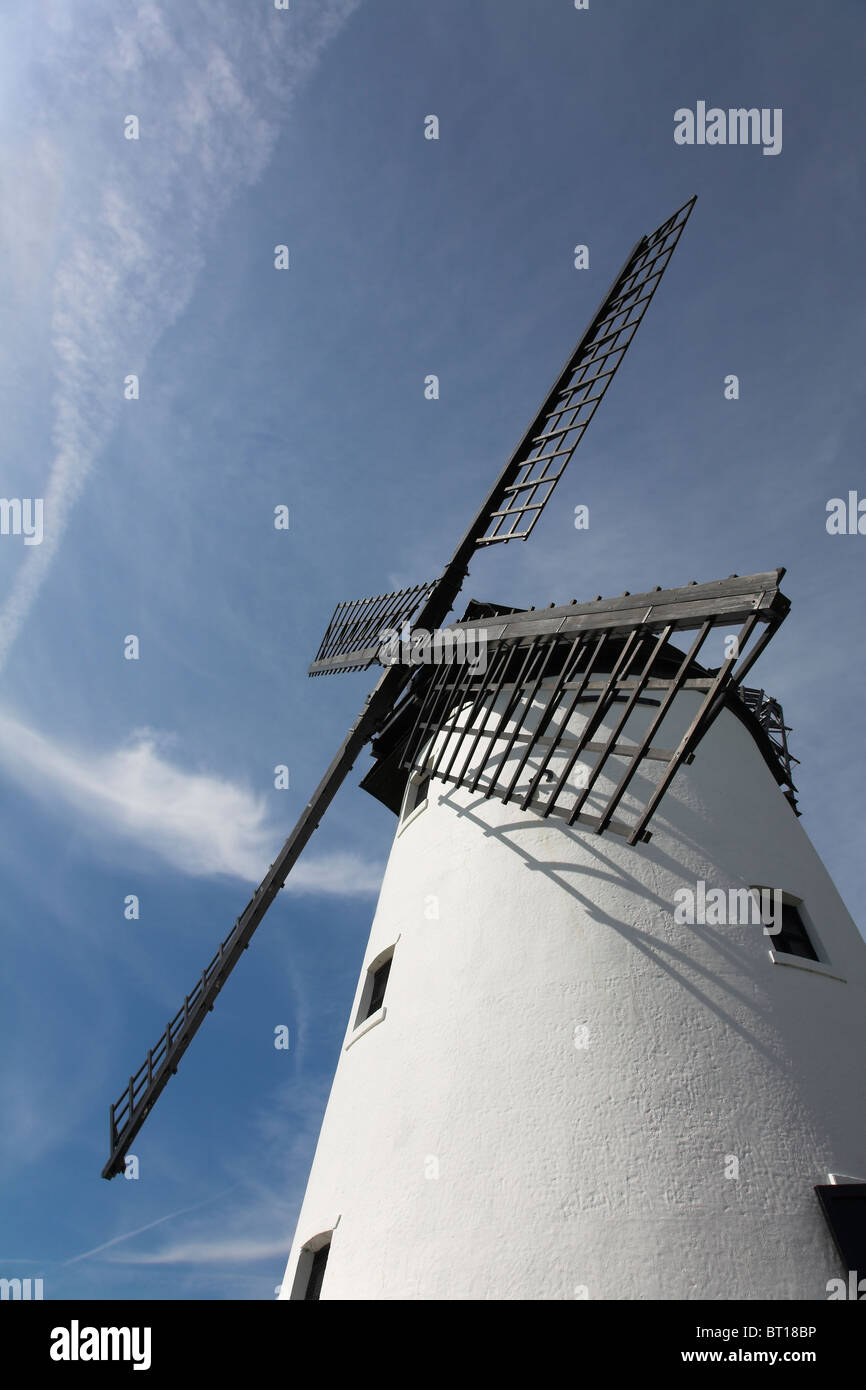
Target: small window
375	984
792	937
416	794
844	1207
310	1269
377	993
317	1273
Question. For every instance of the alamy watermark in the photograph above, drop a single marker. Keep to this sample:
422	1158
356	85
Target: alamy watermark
77	1343
718	907
846	518
444	647
738	125
23	1289
22	516
855	1289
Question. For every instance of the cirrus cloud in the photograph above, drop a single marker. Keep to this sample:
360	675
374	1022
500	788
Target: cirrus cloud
196	821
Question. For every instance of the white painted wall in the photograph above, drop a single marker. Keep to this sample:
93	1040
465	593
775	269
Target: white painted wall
471	1149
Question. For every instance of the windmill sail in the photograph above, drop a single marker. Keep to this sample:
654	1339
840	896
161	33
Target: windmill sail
545	450
354	635
509	512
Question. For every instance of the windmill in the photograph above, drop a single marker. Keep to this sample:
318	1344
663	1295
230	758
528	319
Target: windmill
566	722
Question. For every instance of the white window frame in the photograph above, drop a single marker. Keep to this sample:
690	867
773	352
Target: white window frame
363	1024
304	1267
823	965
412	808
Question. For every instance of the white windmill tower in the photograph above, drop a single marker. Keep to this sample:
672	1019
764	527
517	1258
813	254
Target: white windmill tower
584	1059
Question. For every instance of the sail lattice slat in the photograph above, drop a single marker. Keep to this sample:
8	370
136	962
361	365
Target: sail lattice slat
354	634
559	426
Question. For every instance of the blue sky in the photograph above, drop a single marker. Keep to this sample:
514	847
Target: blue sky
305	387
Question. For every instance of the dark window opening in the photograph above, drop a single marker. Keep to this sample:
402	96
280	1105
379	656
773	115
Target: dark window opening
317	1273
380	980
417	794
792	937
844	1207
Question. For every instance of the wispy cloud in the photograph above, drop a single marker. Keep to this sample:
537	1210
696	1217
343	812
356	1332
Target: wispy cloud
342	874
210	82
256	1224
140	1230
198	822
193	1252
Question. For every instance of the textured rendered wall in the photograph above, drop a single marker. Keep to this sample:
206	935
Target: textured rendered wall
563	1074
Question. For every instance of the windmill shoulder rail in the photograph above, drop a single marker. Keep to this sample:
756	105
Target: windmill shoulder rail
723	599
483	727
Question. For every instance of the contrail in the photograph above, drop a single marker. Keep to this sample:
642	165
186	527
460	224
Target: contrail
184	1211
